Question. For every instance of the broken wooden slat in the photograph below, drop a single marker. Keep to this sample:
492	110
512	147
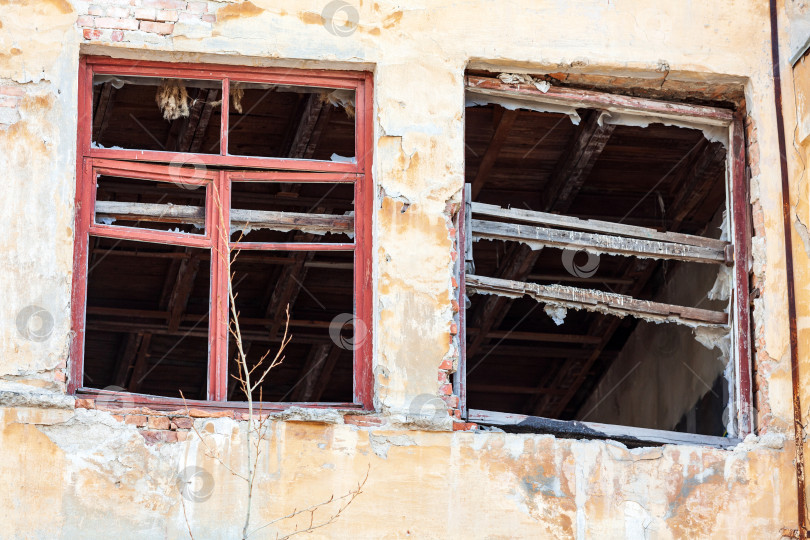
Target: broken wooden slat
253	219
544	218
597	301
577	98
597	243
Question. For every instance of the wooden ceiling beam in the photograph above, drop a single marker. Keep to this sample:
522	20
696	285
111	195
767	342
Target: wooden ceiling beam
181	292
101	115
577	162
503	126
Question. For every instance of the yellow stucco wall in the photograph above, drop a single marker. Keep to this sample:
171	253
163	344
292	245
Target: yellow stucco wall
85	474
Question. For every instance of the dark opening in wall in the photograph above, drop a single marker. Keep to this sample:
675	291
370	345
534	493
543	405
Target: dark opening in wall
539	357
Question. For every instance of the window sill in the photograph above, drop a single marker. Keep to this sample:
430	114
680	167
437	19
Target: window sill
630	436
105	399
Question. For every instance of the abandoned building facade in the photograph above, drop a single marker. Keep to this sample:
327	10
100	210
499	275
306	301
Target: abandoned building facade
351	269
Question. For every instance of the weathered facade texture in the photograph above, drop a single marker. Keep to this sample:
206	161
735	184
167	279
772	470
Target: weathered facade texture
72	468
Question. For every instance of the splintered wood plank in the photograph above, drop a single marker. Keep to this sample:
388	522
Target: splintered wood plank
597	243
504	126
597	301
604	227
578	98
255	219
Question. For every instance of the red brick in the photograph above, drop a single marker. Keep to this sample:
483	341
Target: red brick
454	329
85	404
118	417
457	413
59	376
153	437
454	281
182	422
117	35
446	389
157	27
182	436
136	419
452	401
86	20
362	420
463	426
159	422
146	14
117	24
209	18
442	377
199	413
454	306
447	363
89	33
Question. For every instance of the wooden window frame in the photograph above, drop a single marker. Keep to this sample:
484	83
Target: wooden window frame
157	165
737	202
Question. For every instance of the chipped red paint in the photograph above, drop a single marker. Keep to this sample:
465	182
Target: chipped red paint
138	164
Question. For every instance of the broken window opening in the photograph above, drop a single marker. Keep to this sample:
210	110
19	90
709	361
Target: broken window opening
603	265
157	242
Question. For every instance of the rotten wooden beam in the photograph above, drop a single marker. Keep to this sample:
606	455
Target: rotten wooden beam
598	301
570	174
301	147
590	225
253	219
589	99
503	126
596	243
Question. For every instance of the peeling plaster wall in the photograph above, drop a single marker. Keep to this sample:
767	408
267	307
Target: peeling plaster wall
87	473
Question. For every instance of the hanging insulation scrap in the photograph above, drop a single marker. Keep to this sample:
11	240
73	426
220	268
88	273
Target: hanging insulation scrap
172	99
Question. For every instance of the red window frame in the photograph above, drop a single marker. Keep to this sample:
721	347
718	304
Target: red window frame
155	165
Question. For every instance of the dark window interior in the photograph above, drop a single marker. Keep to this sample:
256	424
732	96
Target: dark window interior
592	366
